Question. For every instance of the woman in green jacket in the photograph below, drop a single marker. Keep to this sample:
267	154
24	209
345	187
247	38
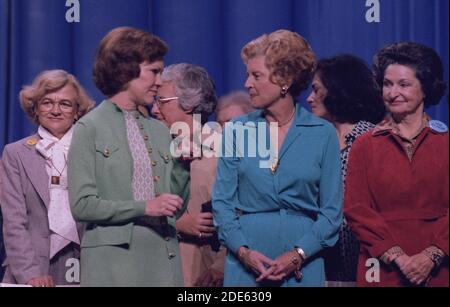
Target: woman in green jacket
122	179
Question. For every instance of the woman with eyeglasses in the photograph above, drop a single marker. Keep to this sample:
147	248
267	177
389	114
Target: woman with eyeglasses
123	181
42	239
186	91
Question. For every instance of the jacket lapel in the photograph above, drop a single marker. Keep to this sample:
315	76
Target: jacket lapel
34	165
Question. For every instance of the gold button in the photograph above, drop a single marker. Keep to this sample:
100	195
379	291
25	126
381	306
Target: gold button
146	137
106	152
156	178
150	150
154	163
32	142
141	126
171	255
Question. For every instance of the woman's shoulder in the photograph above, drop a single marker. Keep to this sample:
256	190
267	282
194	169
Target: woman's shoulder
98	114
157	125
307	119
26	142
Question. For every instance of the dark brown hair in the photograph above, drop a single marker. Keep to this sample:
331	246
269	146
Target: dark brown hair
422	59
119	54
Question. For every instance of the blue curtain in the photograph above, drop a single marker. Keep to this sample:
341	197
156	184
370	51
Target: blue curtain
35	36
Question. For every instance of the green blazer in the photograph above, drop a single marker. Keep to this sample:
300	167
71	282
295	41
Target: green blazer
115	247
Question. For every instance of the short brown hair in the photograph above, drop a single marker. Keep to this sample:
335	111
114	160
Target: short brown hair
50	81
119	54
288	57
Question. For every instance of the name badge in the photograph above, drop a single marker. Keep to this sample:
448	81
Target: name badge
437	126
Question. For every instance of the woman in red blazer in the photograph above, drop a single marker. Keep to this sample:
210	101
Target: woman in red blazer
396	199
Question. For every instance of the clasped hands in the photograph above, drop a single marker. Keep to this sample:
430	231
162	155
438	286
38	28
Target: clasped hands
416	268
268	269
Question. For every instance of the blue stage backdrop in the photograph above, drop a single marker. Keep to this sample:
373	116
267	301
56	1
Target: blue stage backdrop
35	36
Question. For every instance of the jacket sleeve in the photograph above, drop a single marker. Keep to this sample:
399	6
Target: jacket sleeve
325	230
22	258
86	204
179	184
368	225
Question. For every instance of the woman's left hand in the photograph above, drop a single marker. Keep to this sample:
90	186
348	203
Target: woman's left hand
282	268
417	268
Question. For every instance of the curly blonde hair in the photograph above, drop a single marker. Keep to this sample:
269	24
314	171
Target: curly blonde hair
288	56
50	81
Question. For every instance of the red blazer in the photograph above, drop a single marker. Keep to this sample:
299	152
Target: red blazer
391	201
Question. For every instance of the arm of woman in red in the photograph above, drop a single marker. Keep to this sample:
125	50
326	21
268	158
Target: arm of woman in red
364	219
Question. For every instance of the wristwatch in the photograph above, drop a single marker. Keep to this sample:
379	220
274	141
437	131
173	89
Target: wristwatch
300	252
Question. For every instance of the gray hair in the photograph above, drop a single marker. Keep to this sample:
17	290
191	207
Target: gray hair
193	86
238	98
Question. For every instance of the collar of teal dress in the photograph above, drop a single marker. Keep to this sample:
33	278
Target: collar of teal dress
302	118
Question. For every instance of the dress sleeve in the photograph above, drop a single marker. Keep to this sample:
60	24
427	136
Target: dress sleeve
440	237
325	230
225	198
368	225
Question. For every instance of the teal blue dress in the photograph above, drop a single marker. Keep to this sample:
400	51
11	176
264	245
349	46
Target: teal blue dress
300	204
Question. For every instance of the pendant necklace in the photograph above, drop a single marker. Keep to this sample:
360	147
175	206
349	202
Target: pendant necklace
56	180
276	162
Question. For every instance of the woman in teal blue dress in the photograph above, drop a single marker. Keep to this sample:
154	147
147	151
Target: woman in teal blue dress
275	214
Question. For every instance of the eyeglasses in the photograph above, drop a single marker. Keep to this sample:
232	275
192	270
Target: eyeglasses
66	106
162	100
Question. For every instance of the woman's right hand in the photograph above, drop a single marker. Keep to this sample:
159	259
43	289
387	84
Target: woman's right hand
199	225
164	205
41	281
256	261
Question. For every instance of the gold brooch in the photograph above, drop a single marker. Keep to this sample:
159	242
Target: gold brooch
274	165
32	142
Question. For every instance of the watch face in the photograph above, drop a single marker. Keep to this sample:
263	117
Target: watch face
300	252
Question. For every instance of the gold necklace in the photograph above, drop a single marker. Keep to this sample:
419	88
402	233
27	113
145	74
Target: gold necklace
288	121
276	162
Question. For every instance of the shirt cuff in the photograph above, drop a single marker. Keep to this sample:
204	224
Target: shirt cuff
391	254
140	208
435	254
309	245
235	240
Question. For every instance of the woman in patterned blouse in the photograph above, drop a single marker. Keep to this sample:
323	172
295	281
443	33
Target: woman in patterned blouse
345	93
